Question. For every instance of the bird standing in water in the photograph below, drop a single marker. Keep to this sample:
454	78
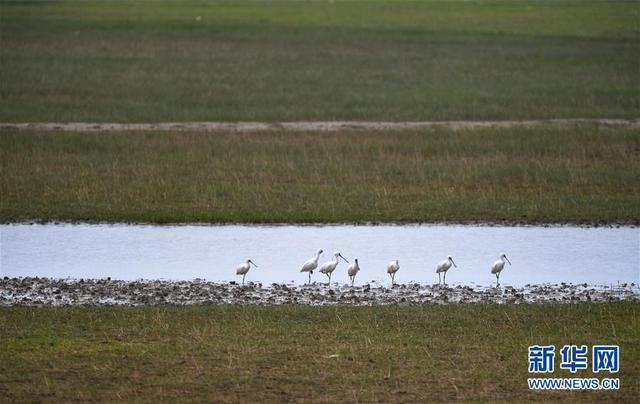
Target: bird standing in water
498	266
353	270
311	265
328	267
443	266
392	268
243	268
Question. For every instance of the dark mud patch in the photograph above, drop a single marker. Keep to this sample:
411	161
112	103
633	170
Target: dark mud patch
633	223
106	292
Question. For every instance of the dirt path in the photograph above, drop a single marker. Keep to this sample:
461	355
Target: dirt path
309	126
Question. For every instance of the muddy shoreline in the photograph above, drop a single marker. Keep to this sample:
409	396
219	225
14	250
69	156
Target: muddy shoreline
107	292
478	223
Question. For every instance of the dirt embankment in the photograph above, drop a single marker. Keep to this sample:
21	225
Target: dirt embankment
329	126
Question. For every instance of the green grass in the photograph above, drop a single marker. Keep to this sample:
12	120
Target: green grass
544	174
276	354
283	60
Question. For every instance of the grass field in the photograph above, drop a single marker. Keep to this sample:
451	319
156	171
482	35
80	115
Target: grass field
193	60
151	61
541	174
296	353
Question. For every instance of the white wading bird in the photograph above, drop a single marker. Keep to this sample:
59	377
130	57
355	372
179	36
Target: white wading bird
353	270
443	266
328	267
243	268
498	266
310	265
392	268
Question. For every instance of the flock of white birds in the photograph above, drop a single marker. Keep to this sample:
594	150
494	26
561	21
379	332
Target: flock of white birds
392	268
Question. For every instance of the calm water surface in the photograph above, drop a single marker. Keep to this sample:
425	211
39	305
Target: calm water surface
598	256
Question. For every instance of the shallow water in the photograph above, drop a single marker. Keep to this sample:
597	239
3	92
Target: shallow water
597	256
